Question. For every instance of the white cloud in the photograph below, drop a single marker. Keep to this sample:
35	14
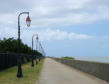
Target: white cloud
51	13
61	35
7	32
8	19
44	35
68	12
49	35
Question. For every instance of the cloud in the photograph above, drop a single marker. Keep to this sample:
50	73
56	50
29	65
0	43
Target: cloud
12	6
61	35
51	13
70	12
8	32
44	35
8	19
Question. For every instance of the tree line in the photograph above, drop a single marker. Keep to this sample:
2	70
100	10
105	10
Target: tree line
10	45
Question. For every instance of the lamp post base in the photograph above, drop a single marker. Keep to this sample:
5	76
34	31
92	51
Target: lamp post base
37	61
32	62
19	73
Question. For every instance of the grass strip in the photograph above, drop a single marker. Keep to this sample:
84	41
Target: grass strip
30	74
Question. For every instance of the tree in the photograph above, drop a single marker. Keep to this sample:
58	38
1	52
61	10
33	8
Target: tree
10	45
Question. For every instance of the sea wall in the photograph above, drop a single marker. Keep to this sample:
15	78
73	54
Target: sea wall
100	70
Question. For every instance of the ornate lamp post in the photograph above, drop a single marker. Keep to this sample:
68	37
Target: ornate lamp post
32	46
28	21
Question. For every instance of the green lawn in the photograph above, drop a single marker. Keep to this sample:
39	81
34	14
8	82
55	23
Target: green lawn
30	74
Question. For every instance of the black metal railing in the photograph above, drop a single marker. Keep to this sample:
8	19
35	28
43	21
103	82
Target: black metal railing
8	60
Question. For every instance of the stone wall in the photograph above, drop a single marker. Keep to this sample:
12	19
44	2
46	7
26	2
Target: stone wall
100	70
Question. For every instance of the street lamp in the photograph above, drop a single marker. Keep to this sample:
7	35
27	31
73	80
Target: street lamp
28	21
32	46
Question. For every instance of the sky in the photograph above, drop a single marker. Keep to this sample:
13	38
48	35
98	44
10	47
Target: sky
76	28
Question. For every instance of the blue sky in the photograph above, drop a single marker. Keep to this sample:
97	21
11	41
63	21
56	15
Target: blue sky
77	28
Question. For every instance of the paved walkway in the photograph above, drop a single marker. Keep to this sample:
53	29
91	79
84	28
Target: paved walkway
57	73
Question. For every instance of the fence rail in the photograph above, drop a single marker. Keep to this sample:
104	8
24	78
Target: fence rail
8	60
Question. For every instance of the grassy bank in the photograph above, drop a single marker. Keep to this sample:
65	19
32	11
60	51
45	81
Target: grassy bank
31	74
66	57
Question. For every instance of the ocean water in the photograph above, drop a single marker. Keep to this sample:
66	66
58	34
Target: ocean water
103	59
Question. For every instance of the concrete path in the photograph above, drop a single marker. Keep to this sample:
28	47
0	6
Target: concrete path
57	73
